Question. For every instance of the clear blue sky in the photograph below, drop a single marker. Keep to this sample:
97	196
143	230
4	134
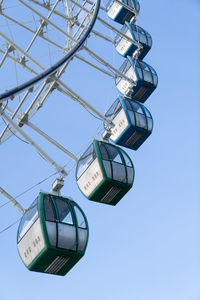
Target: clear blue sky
148	246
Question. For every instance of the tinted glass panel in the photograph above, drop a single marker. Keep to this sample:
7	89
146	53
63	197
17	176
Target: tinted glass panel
148	76
86	159
143	39
117	158
136	32
155	79
137	5
107	166
82	239
104	152
128	104
113	110
135	106
80	217
142	65
119	172
140	73
125	66
132	117
130	174
114	153
150	123
147	112
67	238
63	211
127	159
141	121
48	209
27	220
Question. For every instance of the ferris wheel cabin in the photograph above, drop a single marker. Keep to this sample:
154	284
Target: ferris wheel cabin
104	173
133	123
52	235
137	34
119	13
144	79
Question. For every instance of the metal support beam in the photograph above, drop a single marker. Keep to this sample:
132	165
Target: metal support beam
16	110
15	60
22	51
107	24
49	8
51	70
41	27
94	66
84	47
50	140
109	66
137	44
76	97
10	199
48	21
58	168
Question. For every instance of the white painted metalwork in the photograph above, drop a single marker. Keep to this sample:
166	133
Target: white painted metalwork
52	141
54	33
33	144
10	199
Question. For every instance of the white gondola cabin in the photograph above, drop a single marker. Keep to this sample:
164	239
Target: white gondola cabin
104	173
133	123
52	235
122	10
143	76
138	35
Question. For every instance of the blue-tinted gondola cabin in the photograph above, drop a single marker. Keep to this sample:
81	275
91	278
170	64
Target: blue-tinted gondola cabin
104	173
138	35
133	123
144	80
119	13
52	235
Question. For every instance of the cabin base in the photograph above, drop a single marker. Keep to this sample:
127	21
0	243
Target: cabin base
58	262
109	193
132	138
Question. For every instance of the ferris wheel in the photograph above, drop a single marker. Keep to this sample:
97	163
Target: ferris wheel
42	42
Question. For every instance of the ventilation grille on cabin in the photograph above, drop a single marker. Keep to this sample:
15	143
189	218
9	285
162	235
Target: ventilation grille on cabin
57	264
110	195
140	93
133	138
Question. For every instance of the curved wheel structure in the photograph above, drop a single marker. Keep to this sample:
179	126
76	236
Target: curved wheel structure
38	39
42	43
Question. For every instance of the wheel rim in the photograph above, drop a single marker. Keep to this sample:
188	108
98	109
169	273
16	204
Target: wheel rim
79	23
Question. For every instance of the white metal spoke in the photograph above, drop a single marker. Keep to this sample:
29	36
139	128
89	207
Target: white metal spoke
20	63
21	50
106	64
32	31
49	8
10	199
52	141
33	144
95	66
16	111
41	27
48	21
84	103
93	31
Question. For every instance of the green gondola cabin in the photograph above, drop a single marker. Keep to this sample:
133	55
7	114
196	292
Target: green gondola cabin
52	235
104	173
